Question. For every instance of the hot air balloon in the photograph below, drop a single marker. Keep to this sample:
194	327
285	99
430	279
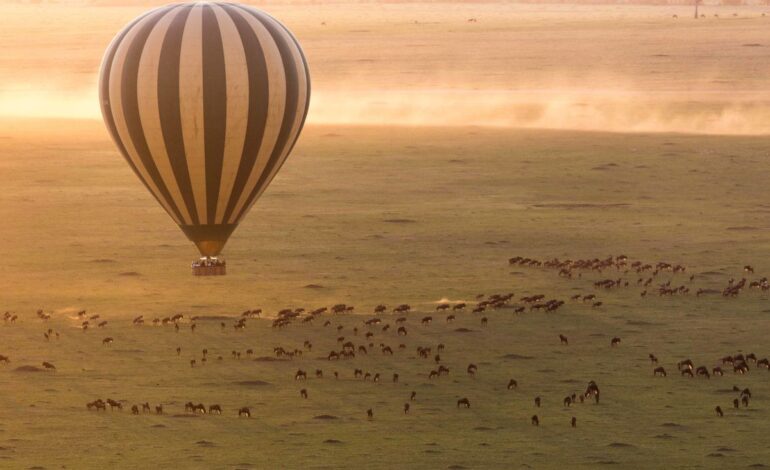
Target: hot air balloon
205	101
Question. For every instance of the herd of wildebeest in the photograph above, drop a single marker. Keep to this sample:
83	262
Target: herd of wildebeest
391	324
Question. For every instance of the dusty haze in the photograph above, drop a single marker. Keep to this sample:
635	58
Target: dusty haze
614	68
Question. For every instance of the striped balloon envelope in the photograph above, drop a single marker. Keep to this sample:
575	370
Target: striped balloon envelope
205	102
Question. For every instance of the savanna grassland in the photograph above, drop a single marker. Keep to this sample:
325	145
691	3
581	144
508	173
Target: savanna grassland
436	149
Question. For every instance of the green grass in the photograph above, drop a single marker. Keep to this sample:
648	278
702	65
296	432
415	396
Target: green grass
476	197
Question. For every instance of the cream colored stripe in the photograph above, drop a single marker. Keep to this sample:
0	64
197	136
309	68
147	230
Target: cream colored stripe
237	82
191	106
116	103
149	113
302	99
277	104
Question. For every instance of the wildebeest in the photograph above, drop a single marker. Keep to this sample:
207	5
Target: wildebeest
215	409
567	402
719	412
401	331
463	402
653	358
369	413
5	359
563	339
406	408
615	341
108	340
659	371
736	403
303	393
300	375
512	384
49	366
114	404
472	368
145	407
426	320
244	412
574	422
535	420
537	402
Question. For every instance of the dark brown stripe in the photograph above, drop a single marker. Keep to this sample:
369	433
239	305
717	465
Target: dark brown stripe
259	94
307	98
131	110
104	97
169	110
292	94
214	108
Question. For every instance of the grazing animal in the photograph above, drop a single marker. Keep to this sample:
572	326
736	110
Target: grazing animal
107	341
463	402
215	409
406	408
244	412
659	371
192	362
413	397
567	402
472	368
574	422
535	420
369	413
687	372
615	341
134	410
736	403
401	331
145	407
49	366
300	375
395	378
537	402
563	339
717	371
303	393
5	359
484	321
745	400
512	384
719	412
653	358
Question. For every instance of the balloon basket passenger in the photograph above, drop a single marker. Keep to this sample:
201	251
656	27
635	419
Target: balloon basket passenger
209	266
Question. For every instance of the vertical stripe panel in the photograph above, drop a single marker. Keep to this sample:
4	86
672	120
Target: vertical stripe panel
169	108
266	111
238	99
191	106
215	104
149	112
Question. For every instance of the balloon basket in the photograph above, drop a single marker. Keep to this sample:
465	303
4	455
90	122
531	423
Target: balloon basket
209	267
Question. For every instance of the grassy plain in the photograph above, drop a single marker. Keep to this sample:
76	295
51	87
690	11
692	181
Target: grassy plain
372	210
